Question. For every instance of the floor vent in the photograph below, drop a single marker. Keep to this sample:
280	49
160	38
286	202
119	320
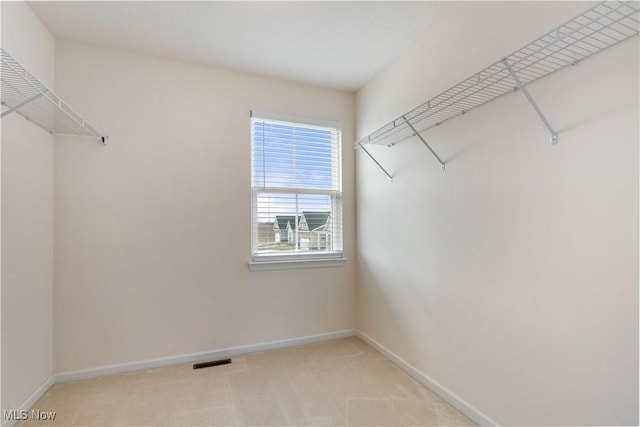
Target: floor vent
211	363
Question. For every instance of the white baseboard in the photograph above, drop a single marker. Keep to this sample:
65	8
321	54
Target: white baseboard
457	402
30	401
196	357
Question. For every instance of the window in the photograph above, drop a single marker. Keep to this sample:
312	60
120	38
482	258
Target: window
296	189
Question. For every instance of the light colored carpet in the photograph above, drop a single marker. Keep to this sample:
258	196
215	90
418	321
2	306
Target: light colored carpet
342	382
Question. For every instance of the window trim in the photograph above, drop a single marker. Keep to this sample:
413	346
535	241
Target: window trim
296	119
289	264
273	261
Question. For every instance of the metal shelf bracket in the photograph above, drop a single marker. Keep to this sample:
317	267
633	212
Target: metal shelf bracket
22	104
416	133
359	144
554	135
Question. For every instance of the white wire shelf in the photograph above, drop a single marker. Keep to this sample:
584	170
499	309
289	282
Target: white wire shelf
24	94
594	30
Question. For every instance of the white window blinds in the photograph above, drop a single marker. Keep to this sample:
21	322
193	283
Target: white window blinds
297	190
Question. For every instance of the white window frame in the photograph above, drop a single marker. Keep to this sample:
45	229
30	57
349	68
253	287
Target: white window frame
332	258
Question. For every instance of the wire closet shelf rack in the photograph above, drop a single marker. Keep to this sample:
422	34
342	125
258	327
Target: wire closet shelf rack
24	94
599	27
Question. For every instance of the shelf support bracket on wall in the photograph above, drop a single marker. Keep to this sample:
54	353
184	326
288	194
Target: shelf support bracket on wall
22	104
375	161
416	133
523	89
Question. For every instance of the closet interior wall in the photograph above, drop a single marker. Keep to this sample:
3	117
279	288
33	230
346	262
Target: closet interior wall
510	279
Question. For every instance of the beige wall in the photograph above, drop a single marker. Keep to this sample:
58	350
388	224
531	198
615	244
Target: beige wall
152	231
27	221
511	279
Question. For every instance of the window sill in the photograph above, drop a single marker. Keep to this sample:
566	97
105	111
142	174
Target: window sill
297	263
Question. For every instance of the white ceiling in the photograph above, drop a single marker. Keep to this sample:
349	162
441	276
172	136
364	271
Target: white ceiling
333	44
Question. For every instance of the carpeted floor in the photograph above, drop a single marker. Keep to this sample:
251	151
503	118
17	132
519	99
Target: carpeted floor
342	382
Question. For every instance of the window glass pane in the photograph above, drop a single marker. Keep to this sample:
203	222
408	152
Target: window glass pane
293	156
276	221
